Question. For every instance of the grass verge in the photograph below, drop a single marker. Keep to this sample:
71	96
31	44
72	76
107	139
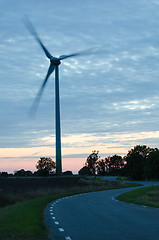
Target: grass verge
24	220
148	196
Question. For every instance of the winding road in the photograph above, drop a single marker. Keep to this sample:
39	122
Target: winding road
99	216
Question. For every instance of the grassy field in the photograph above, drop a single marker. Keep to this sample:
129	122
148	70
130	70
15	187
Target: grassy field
22	217
148	196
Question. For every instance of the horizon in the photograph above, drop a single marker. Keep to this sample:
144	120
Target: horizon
81	162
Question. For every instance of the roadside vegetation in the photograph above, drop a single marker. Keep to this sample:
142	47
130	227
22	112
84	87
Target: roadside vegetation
148	196
24	219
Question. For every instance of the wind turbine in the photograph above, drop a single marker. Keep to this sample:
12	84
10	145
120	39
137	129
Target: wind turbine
54	66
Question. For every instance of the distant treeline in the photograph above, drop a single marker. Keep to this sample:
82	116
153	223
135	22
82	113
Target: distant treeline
141	162
28	173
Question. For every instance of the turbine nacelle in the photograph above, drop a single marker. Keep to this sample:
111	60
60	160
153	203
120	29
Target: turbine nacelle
55	61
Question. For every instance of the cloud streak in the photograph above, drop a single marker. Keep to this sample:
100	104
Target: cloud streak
109	100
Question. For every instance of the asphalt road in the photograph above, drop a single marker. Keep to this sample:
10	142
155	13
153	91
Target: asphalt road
99	216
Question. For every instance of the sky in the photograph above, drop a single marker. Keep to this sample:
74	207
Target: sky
109	100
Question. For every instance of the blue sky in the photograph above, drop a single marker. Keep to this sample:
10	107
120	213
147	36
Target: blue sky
109	101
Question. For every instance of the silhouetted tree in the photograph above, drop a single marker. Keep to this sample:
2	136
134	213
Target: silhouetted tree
20	173
116	164
135	166
45	165
136	160
110	165
3	174
67	173
142	150
28	173
84	171
23	173
92	161
42	173
101	167
151	169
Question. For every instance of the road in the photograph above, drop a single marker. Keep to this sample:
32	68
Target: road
99	216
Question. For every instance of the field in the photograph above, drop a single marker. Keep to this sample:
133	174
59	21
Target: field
13	190
23	201
23	184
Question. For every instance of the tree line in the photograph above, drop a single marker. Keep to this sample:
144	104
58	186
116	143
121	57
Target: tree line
141	162
45	167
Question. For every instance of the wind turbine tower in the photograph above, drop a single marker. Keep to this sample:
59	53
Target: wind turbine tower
54	65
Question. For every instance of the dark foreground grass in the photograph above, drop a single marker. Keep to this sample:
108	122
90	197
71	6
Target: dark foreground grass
148	196
25	220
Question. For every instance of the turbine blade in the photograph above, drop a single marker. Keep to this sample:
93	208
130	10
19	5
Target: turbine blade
68	56
38	97
82	53
32	30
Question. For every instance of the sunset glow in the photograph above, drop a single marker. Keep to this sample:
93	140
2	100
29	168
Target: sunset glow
109	100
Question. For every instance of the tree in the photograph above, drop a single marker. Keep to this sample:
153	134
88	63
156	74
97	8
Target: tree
84	171
45	165
143	150
116	164
151	169
20	173
67	173
3	174
92	161
28	173
23	173
135	166
110	165
101	167
136	160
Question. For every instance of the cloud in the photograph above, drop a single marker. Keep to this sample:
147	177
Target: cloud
109	100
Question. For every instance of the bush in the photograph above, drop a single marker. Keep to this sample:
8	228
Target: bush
42	173
3	174
84	171
67	173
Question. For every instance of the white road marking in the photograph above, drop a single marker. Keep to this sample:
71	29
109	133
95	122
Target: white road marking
51	214
61	229
67	238
53	218
57	223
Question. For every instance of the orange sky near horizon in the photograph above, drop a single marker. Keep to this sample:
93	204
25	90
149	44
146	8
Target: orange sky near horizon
75	150
12	165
